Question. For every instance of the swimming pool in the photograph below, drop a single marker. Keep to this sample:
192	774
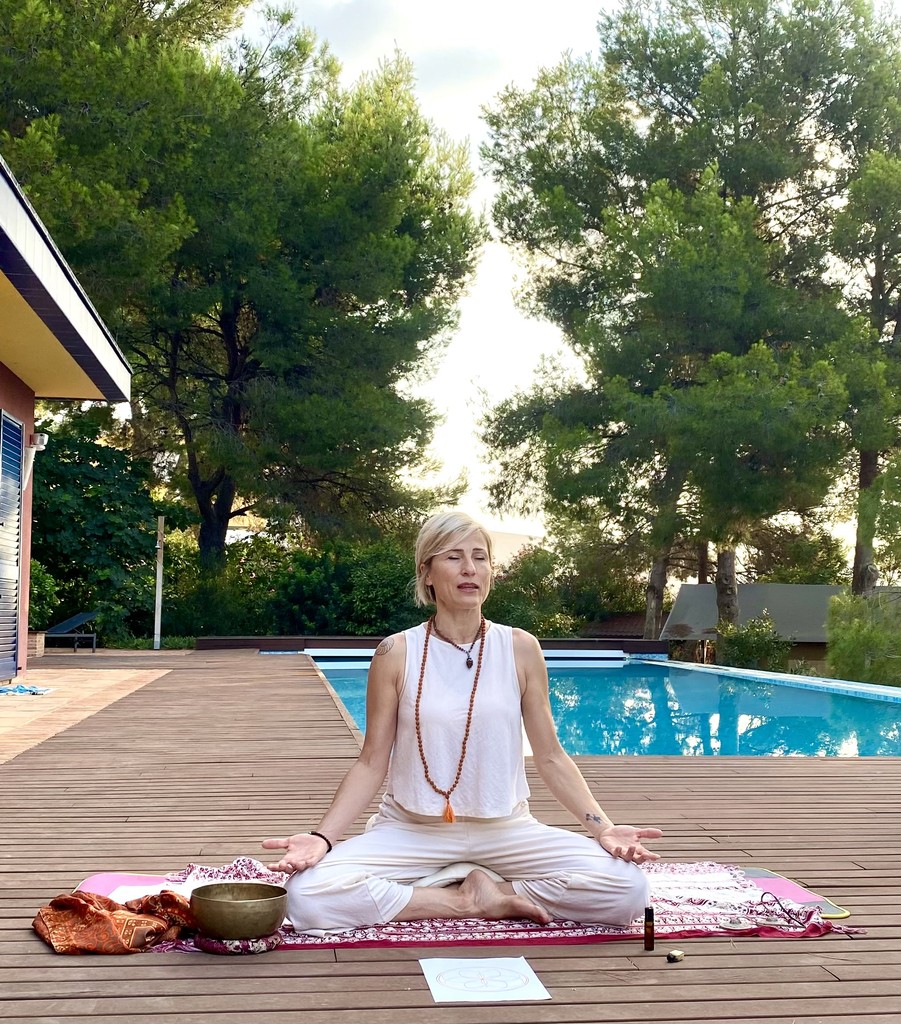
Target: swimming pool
647	708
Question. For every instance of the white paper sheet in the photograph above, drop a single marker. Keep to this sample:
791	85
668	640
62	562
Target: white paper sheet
493	979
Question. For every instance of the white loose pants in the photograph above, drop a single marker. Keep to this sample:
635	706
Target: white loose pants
368	879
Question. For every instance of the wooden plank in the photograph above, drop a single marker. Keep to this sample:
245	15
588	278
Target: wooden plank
473	1013
226	747
613	980
671	1002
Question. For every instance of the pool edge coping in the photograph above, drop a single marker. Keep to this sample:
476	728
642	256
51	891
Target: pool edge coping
848	687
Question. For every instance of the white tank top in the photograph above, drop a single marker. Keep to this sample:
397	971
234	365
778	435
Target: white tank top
493	780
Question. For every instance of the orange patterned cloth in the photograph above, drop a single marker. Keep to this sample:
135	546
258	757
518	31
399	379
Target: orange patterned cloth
83	922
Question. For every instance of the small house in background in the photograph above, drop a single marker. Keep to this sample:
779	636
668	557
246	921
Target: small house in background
53	345
620	625
798	612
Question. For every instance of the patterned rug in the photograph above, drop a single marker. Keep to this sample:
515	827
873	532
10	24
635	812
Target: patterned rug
689	900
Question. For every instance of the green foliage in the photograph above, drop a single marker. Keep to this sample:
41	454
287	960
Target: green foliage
361	589
766	428
691	426
382	587
42	597
863	637
313	591
94	527
757	644
144	643
599	573
94	97
267	587
767	92
880	510
357	588
276	254
684	201
801	667
527	593
867	233
808	555
233	601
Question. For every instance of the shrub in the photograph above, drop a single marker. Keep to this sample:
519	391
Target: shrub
312	591
145	643
527	594
42	597
382	589
802	667
95	527
267	587
863	638
236	600
757	644
356	588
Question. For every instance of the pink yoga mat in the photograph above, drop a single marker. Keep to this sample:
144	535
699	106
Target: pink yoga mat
690	900
786	889
768	881
104	883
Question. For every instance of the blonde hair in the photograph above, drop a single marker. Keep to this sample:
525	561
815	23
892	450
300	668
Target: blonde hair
440	533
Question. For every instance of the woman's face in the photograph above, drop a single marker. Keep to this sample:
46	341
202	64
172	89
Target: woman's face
461	575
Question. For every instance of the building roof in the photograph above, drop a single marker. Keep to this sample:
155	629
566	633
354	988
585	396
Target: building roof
51	337
629	625
797	610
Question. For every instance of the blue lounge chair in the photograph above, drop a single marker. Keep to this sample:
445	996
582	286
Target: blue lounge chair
70	630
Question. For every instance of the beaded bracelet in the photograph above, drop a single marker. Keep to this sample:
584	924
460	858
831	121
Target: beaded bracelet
325	839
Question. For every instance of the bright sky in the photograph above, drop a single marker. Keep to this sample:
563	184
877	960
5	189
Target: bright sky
464	53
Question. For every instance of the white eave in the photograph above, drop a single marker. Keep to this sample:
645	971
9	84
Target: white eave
51	337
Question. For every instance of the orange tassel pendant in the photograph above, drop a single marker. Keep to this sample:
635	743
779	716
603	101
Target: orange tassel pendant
449	815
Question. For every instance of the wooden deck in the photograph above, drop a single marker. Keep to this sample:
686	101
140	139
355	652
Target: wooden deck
200	763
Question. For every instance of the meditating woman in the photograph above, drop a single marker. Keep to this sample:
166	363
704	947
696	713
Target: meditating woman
446	702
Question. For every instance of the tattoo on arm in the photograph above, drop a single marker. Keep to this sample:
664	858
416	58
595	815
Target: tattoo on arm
385	645
596	818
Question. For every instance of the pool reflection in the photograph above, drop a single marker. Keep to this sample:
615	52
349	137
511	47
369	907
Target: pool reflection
659	710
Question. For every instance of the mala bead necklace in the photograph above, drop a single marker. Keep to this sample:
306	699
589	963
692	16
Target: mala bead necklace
464	650
449	815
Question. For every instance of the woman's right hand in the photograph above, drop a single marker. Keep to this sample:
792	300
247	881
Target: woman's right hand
301	851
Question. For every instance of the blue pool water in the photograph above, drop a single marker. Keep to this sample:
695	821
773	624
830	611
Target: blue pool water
661	709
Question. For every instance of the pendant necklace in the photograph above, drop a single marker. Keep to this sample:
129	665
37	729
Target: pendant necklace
464	650
446	793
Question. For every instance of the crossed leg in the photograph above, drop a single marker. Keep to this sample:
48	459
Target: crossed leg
478	895
551	873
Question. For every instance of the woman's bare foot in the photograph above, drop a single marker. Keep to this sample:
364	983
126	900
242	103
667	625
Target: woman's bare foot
490	901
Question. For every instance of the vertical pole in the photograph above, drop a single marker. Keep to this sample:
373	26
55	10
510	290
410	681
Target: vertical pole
158	604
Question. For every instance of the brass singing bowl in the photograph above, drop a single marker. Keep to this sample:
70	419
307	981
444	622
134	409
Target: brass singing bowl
239	910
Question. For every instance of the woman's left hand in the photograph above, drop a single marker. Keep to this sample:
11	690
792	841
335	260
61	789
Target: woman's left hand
626	842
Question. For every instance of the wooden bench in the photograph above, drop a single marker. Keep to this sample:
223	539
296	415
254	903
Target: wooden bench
69	629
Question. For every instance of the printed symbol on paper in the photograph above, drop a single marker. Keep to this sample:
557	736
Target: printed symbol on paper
483	979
